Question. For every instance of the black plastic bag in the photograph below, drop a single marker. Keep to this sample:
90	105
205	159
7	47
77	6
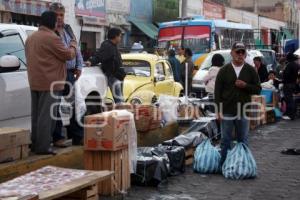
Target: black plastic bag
176	155
152	167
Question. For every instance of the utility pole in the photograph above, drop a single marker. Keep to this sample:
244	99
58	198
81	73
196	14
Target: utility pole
255	6
184	8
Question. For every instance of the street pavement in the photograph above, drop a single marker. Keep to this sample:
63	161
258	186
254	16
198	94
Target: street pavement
278	174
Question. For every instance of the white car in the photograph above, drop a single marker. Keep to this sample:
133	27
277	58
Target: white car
15	97
198	85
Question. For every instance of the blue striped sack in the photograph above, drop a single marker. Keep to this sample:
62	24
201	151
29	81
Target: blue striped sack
239	163
206	158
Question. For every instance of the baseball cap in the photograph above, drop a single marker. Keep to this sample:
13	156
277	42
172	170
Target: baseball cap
238	46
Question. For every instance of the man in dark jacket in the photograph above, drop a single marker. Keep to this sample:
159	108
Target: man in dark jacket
290	75
235	83
175	64
111	63
188	54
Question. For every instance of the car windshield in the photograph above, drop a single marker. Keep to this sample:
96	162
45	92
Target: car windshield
137	67
13	45
207	61
268	58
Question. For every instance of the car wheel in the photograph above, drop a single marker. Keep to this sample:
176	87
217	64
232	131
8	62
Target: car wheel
93	104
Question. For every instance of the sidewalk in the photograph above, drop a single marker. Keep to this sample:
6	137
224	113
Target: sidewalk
278	174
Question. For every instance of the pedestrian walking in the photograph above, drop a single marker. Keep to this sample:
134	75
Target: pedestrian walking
74	67
175	64
217	62
235	83
261	69
290	75
111	63
46	57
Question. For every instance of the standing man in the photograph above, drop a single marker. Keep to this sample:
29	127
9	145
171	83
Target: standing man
290	76
180	56
111	63
188	54
74	67
175	64
46	57
235	83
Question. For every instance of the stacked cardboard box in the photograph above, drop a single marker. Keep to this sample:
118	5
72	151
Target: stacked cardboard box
107	131
14	144
147	117
106	148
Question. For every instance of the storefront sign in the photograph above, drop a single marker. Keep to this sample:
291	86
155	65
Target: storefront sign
213	10
26	7
118	6
93	21
95	8
166	10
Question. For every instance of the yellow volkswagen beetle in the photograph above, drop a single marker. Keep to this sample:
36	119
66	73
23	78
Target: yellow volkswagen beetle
147	77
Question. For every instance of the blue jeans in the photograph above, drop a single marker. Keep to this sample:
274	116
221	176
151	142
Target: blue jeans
241	125
74	130
116	88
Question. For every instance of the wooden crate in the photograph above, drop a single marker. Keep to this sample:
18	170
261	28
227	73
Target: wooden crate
270	115
260	116
189	156
117	161
88	193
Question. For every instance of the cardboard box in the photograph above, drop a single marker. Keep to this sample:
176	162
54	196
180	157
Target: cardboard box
128	107
106	131
13	137
147	117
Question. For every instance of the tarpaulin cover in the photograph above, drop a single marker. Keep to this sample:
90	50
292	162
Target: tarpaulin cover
191	139
206	125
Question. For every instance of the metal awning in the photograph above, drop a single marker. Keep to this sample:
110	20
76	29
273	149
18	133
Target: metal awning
148	28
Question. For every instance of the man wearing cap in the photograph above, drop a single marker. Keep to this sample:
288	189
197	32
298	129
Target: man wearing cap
235	83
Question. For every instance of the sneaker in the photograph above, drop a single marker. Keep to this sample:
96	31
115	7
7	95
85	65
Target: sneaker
62	143
286	117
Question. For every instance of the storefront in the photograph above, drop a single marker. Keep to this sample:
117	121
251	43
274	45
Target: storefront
24	12
90	23
143	30
117	12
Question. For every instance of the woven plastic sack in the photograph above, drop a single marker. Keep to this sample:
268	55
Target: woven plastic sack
240	163
206	158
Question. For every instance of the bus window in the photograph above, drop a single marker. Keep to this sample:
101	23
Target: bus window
170	37
197	38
